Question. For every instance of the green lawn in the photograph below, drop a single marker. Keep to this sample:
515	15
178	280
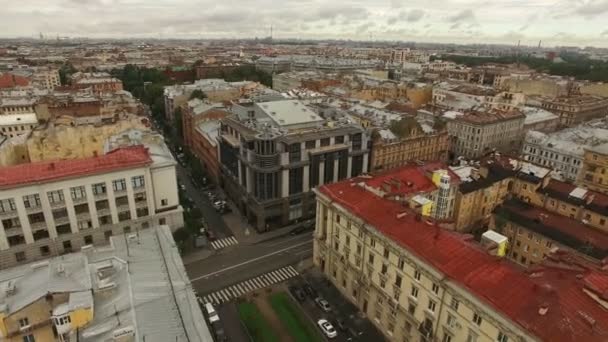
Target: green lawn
257	326
299	327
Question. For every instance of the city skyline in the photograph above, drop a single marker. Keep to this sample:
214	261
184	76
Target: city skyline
555	22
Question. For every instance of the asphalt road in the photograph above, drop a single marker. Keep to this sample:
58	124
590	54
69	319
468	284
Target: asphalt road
341	308
242	262
212	218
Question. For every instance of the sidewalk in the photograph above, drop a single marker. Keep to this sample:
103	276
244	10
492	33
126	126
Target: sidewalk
246	234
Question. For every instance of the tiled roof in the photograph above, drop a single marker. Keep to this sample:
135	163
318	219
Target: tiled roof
571	314
122	158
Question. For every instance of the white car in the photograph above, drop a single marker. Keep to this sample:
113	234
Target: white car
327	328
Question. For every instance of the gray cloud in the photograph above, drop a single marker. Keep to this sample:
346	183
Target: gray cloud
415	15
592	8
461	16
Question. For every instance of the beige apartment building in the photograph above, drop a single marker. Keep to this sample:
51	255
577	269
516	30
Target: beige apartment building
391	151
417	282
534	233
475	133
594	173
54	207
576	109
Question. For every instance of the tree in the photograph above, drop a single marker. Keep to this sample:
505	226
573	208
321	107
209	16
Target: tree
65	72
198	94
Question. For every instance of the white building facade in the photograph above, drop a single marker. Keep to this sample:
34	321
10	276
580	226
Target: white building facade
83	202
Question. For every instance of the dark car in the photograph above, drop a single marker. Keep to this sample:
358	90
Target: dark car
298	230
340	324
297	293
312	293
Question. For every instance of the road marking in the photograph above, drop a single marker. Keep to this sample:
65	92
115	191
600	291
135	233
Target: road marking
224	242
204	276
302	252
281	242
249	285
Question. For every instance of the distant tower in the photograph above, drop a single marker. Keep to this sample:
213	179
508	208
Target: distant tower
540	41
41	36
270	32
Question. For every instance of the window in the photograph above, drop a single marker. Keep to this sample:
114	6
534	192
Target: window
451	319
325	142
502	337
88	240
454	304
78	193
31	201
67	245
138	182
372	242
382	283
476	319
29	338
44	250
310	144
446	337
435	288
472	336
370	258
417	275
386	253
99	189
384	269
24	322
432	305
20	256
338	218
162	221
398	280
401	264
164	202
414	292
411	308
119	185
55	197
339	139
7	205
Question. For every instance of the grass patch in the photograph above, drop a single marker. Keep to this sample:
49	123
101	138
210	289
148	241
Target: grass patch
298	326
258	327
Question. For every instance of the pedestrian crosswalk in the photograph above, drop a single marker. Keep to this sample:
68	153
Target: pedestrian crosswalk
237	290
223	243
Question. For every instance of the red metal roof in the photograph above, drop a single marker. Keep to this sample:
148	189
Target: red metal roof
498	282
9	81
40	172
405	180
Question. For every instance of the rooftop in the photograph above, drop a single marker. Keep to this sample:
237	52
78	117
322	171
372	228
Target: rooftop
289	113
572	140
495	282
47	171
486	116
564	230
18	119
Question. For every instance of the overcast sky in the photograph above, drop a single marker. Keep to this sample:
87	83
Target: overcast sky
556	22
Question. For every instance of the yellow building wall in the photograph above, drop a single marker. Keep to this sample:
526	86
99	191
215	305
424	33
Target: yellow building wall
427	209
81	317
420	96
2	326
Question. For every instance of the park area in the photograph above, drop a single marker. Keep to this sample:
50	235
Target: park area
274	316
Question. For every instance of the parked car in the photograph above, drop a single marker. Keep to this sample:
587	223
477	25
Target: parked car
327	328
298	230
312	293
323	304
210	235
297	293
341	325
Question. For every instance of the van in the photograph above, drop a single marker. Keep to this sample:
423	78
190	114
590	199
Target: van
211	313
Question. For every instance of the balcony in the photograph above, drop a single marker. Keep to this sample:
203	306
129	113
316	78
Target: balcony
62	220
100	195
33	210
8	213
38	225
13	231
79	200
